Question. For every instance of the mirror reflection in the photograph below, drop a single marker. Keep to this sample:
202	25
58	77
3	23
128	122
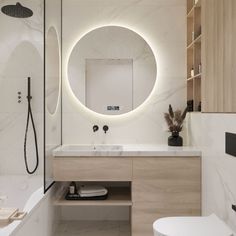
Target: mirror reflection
52	71
112	70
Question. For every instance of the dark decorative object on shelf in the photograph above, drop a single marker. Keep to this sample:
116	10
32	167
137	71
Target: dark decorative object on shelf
230	144
77	197
175	140
190	105
199	106
174	120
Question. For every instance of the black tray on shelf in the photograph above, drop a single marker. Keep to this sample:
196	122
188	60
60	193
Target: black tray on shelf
77	197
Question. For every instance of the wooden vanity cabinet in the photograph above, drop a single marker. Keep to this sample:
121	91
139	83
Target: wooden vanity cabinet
92	169
160	186
164	186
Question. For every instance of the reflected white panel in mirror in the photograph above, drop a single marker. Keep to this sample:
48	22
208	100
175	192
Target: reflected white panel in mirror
104	80
112	70
52	70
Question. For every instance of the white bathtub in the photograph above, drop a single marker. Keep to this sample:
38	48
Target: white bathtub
22	192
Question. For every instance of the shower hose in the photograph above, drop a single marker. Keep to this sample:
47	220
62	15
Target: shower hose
30	118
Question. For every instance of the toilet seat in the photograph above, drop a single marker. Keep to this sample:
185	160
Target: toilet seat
191	226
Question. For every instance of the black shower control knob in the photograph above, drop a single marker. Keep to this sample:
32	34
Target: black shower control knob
95	128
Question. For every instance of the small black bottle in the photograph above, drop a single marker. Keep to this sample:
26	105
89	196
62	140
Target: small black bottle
199	106
72	188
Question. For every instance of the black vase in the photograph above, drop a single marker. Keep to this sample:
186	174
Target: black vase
175	140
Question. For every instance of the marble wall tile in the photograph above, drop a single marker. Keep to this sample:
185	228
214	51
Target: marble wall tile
207	131
166	36
21	51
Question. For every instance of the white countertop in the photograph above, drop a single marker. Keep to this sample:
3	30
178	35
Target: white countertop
124	150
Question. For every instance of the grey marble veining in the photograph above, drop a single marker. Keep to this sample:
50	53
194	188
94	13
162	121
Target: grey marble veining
207	131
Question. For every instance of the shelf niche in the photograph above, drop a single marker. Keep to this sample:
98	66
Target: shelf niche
194	54
117	196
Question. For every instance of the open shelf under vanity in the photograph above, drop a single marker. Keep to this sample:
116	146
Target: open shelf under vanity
117	196
115	210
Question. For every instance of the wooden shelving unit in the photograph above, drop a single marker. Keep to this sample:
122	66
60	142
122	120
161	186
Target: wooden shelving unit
118	196
194	55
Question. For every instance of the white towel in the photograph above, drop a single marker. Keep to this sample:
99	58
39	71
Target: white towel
92	190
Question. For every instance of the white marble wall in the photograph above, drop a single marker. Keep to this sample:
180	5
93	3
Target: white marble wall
162	23
21	50
207	131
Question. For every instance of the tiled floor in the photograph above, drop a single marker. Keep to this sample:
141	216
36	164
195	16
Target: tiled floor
93	228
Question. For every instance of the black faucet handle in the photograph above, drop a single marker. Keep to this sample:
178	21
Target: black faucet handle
95	128
105	128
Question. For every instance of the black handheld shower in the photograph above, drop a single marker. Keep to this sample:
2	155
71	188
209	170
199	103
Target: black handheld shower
30	117
29	88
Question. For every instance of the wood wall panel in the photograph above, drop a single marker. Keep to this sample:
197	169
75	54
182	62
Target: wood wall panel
219	55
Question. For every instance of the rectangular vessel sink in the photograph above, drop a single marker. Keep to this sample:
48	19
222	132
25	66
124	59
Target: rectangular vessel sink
80	150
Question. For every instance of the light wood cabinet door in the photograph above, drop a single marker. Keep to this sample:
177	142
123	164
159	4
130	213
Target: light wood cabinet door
219	55
92	169
158	179
164	186
145	214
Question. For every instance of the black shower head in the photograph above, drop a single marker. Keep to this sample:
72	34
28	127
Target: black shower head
17	11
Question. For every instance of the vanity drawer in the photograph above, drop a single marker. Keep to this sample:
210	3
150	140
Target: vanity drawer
148	168
92	169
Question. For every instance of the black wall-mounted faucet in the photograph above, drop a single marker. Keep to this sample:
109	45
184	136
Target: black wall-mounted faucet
95	128
105	128
234	207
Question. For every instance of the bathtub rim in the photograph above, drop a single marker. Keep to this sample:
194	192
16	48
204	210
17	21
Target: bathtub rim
34	202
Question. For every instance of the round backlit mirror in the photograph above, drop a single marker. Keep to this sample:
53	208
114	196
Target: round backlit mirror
52	70
112	70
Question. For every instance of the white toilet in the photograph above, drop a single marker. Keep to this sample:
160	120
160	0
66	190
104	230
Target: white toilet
191	226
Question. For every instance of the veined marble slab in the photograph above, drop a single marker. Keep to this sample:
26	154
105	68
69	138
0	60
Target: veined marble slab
124	150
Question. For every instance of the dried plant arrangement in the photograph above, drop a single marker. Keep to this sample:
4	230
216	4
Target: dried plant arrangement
175	119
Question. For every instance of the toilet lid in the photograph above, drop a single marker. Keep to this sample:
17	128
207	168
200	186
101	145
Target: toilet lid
194	226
